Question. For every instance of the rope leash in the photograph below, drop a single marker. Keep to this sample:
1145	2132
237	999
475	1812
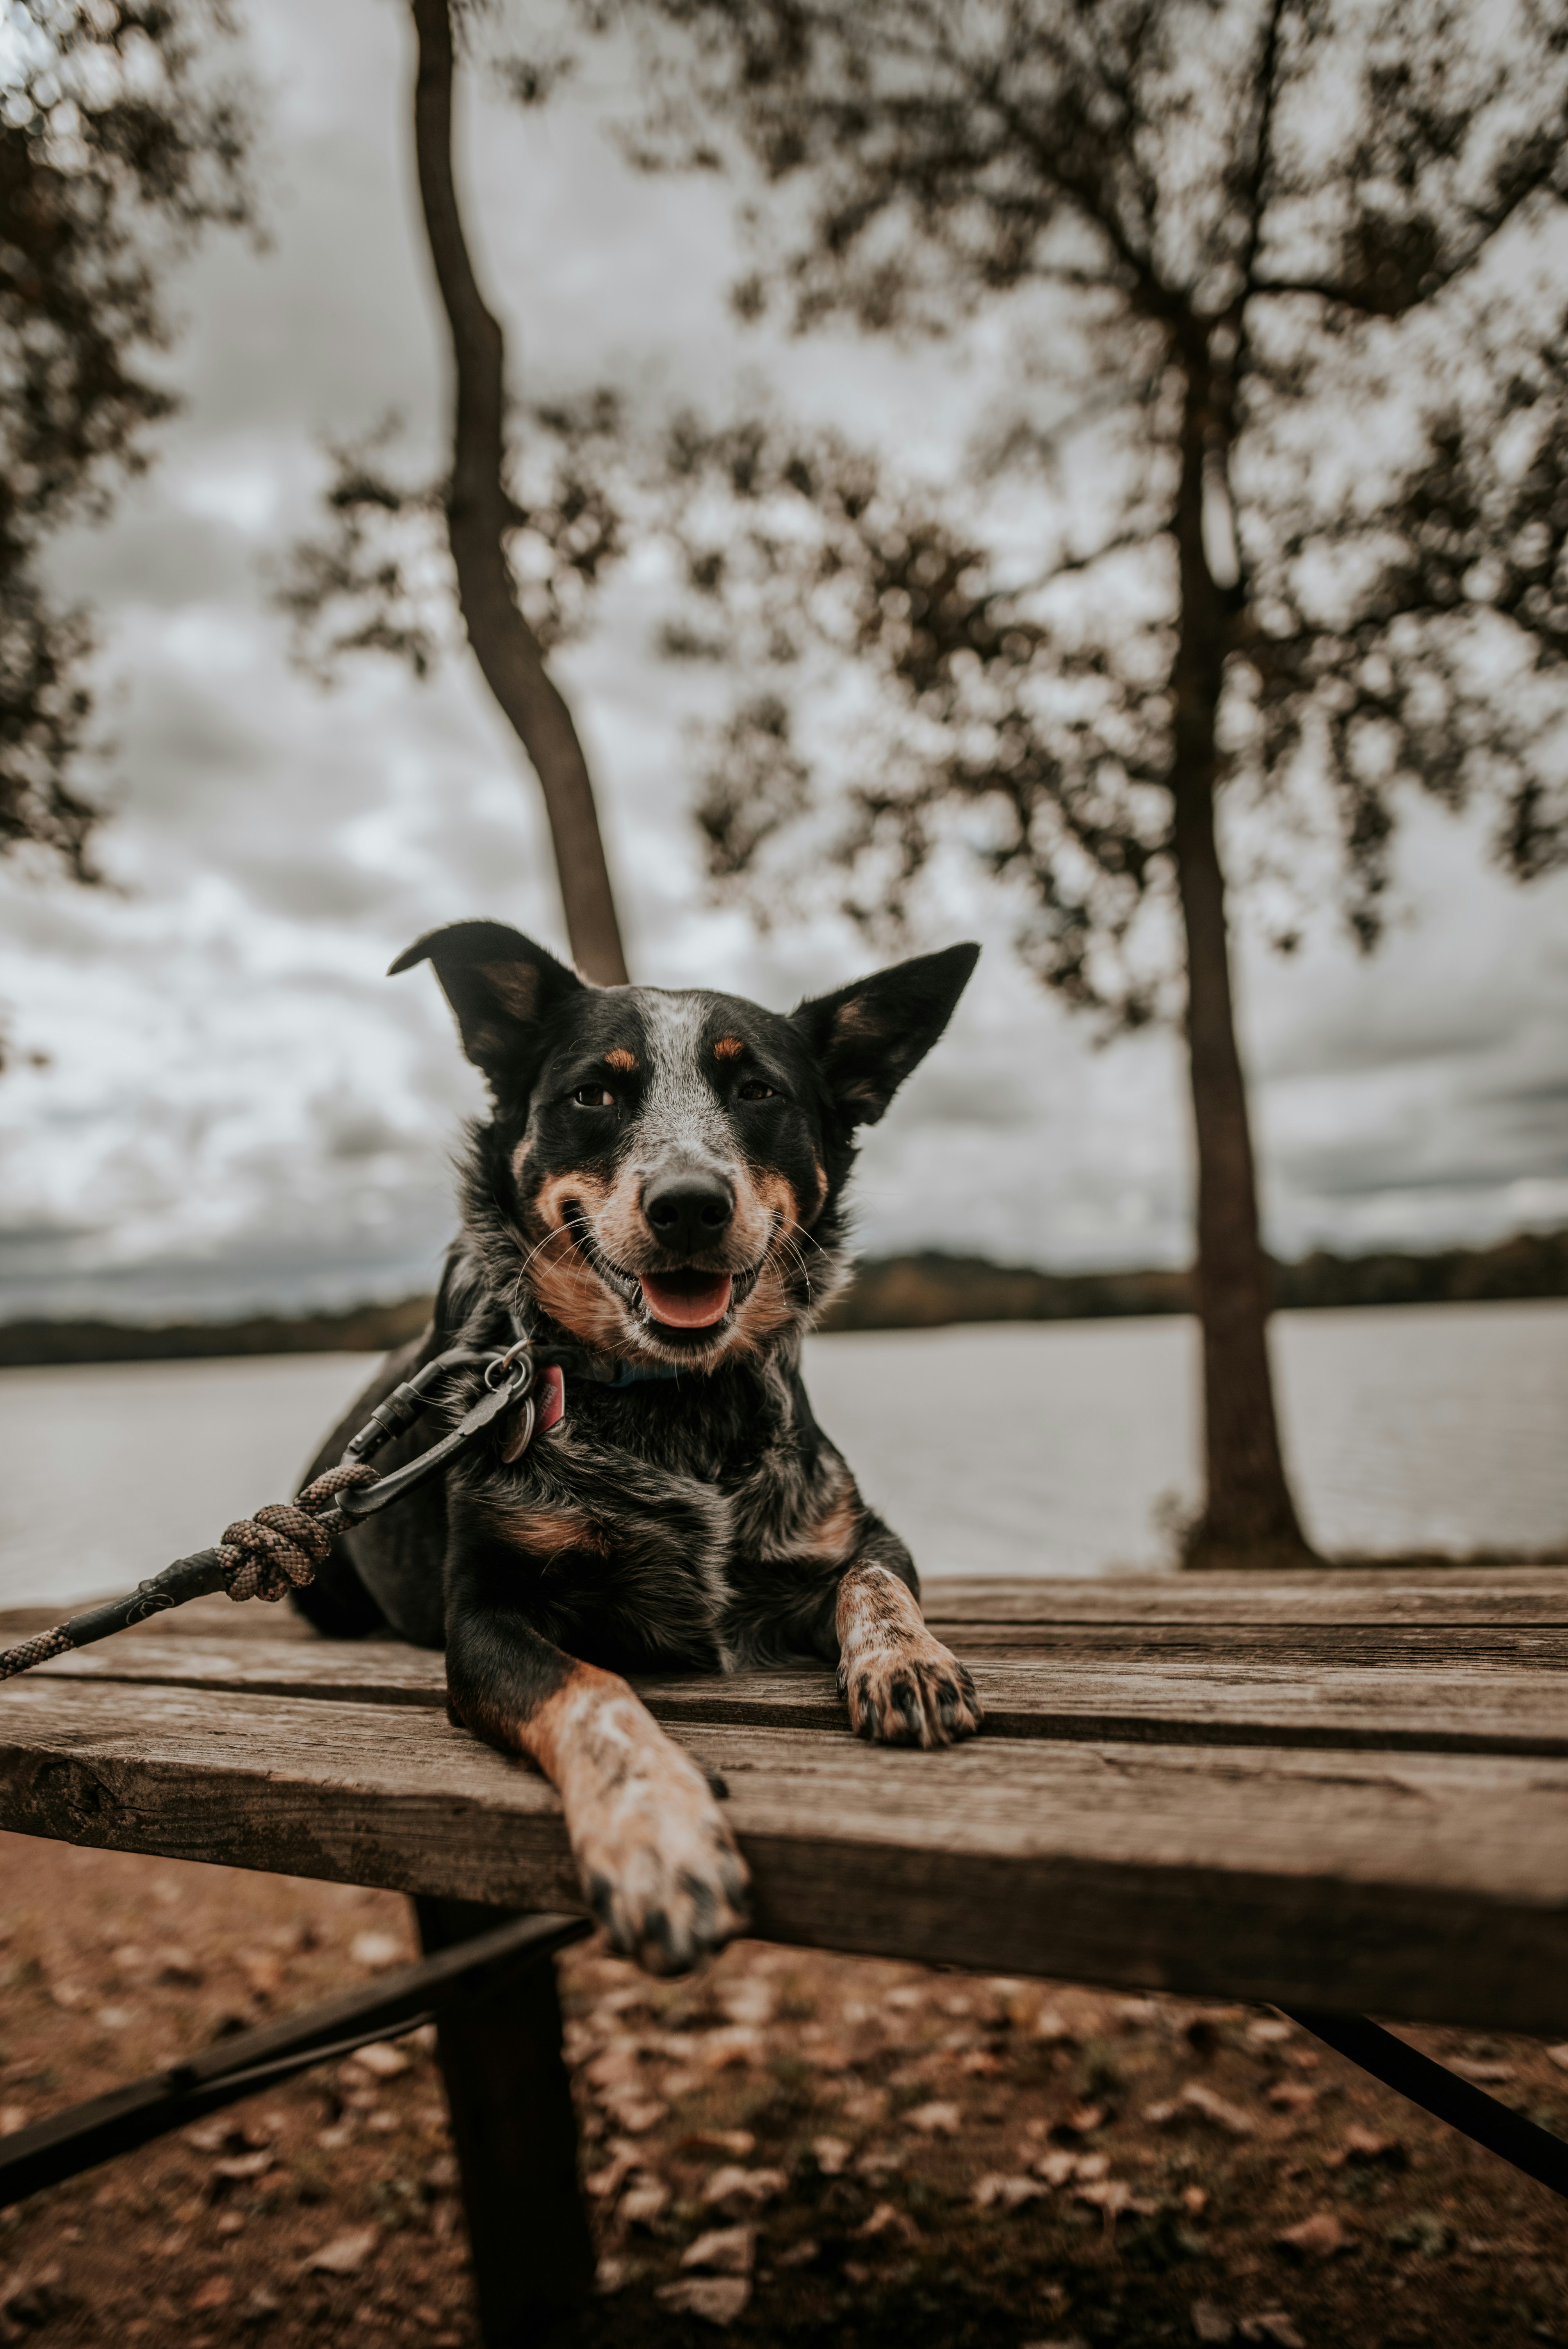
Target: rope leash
283	1545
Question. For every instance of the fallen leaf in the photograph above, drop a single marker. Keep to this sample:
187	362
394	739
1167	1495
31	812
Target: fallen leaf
345	2254
637	2115
1194	2201
641	2203
750	2000
216	2292
1559	2056
1293	2097
733	2184
720	2299
381	2059
1365	2145
610	2275
832	2153
377	1950
1112	2196
727	2250
1470	2068
739	2142
1273	2325
244	2165
116	2018
1317	2237
736	2043
1215	2108
1057	2166
1083	2119
12	2118
1210	2322
1012	2193
263	1972
1268	2030
1091	2165
887	2219
178	1966
624	2159
936	2119
1049	2026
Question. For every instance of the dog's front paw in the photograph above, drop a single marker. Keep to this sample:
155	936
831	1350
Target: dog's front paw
909	1691
658	1862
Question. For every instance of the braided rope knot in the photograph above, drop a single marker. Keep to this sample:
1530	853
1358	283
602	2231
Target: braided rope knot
280	1549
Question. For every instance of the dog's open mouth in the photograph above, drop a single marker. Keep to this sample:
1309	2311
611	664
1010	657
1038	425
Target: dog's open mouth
690	1298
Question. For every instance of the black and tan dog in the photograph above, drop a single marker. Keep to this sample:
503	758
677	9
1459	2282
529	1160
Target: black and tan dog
656	1203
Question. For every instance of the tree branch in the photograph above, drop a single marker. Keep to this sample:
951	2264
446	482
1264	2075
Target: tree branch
479	512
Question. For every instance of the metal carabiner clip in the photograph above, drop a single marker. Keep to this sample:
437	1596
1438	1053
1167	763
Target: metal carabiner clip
508	1378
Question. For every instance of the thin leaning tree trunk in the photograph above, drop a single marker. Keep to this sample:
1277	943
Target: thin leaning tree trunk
479	514
1249	1516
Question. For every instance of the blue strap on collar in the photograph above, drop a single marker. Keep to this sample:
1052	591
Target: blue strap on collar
627	1376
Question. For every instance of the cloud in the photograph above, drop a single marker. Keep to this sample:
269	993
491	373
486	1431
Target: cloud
240	1108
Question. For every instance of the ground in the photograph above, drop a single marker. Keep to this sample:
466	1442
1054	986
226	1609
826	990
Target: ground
788	2148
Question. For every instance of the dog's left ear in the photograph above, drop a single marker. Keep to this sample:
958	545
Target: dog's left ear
499	985
868	1036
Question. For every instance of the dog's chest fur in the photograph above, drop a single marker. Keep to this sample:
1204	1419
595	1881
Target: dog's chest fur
700	1523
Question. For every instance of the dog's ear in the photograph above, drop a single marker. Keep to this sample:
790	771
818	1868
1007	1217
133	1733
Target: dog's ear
499	985
868	1036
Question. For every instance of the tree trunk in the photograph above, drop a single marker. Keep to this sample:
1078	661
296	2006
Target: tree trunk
1249	1517
479	512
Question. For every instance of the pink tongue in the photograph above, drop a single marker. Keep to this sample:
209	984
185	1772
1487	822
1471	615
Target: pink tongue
687	1309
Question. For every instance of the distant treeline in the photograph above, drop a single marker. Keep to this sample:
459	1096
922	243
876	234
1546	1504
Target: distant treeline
894	1292
921	1292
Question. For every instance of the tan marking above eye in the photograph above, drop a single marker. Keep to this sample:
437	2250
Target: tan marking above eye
621	1058
728	1048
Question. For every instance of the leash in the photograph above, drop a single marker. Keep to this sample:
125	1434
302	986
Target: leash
280	1549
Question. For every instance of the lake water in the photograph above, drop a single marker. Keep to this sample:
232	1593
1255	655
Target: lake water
1033	1448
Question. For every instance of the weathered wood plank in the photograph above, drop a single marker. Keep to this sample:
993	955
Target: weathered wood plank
1424	1886
1502	1594
1218	1696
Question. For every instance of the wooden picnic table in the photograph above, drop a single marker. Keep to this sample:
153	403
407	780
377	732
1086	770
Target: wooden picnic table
1341	1790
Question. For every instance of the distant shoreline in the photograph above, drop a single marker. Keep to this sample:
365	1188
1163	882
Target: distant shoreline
925	1291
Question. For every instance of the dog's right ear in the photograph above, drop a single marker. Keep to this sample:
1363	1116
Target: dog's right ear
499	985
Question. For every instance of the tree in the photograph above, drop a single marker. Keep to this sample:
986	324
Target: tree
116	150
1233	230
366	588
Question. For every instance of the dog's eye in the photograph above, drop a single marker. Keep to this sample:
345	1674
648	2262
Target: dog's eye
593	1097
757	1091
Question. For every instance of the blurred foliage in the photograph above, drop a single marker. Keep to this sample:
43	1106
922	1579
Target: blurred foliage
1274	482
115	150
1275	497
379	577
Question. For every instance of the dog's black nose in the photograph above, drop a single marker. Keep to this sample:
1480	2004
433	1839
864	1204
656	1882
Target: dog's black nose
688	1211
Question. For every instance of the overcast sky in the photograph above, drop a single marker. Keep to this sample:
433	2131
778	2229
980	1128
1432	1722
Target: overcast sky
238	1108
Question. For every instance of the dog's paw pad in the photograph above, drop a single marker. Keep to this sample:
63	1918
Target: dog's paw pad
913	1692
660	1866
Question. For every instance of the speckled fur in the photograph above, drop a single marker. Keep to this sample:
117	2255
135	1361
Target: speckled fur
704	1521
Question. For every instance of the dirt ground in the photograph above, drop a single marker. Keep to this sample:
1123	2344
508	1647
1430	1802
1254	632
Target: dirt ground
789	2148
